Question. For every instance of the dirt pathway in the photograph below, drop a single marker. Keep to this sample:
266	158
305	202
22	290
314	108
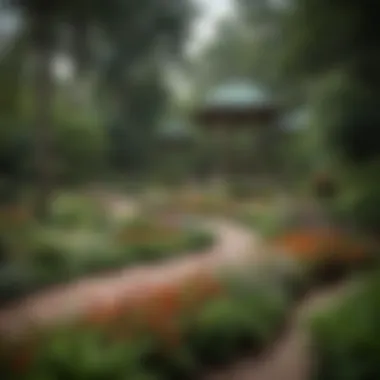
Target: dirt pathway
234	246
289	359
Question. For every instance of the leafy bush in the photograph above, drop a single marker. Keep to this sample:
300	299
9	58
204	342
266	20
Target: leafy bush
15	281
198	239
170	363
147	241
245	319
346	338
358	203
75	212
268	222
287	274
57	256
81	355
361	210
221	331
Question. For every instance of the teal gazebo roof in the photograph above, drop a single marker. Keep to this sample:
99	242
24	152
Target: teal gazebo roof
238	103
238	94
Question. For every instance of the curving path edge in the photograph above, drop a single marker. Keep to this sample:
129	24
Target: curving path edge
234	247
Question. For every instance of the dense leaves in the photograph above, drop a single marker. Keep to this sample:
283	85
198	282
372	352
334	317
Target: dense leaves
346	338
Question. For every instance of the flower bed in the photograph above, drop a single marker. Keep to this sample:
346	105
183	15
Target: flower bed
169	332
151	240
206	204
58	256
330	254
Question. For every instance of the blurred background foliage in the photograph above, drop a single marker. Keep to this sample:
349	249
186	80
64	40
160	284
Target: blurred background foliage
102	116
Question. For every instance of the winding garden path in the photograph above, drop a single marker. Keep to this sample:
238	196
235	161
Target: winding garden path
288	359
234	245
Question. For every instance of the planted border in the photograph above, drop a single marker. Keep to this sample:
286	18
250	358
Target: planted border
167	333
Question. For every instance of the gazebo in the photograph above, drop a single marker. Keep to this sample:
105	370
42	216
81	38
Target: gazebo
238	108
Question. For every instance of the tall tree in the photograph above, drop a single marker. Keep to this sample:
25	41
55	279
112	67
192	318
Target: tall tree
130	31
338	42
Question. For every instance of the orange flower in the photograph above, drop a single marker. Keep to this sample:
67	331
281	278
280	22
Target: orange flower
314	244
159	312
106	311
163	304
201	287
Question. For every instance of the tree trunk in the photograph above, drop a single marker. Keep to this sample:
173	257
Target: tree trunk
44	91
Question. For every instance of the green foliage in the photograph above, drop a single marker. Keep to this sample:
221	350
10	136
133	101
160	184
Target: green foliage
191	240
81	355
115	51
269	221
358	201
346	338
75	212
347	115
198	239
16	281
81	147
170	364
244	320
80	241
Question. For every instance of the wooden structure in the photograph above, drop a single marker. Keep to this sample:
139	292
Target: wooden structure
237	108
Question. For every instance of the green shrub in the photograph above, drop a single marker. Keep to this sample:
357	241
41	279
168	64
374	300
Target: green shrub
198	239
170	363
74	212
287	274
16	281
188	239
346	339
359	201
146	253
220	331
51	260
87	355
244	320
267	222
